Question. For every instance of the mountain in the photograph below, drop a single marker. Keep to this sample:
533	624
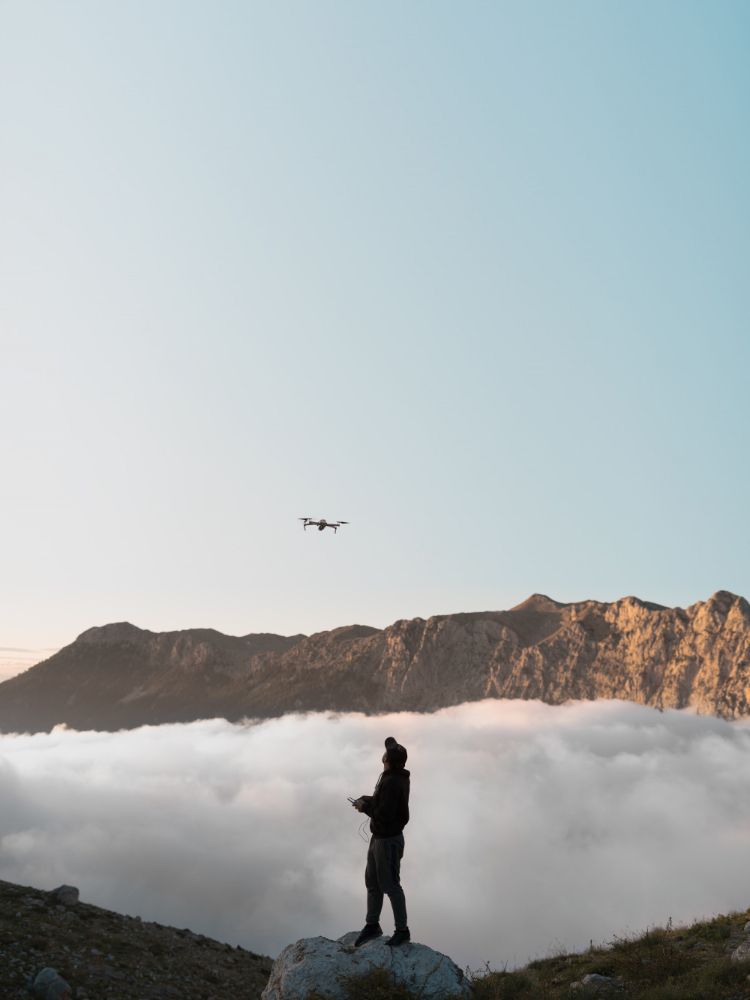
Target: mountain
119	676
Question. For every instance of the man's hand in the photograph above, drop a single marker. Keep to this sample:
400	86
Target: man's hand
359	804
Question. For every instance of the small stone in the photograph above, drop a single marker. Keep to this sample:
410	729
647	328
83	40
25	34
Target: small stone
594	979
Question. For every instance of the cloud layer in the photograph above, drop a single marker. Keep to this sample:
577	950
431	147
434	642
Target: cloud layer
532	828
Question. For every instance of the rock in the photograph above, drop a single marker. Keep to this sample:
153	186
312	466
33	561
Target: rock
747	927
592	979
319	964
49	985
67	895
742	952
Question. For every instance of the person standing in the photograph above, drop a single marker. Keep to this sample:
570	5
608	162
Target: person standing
388	809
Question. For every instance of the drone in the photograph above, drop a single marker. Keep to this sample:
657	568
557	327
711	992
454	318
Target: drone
322	524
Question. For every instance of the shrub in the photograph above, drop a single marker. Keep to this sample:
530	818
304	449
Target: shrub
652	959
718	930
501	985
377	983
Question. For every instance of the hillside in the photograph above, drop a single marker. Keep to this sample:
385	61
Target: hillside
708	960
119	676
96	950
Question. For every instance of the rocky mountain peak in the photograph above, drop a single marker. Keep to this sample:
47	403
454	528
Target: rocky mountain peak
118	676
540	603
116	632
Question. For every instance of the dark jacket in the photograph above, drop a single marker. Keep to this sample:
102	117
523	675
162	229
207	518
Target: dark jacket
388	808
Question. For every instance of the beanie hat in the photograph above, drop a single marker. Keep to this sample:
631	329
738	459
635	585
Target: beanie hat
395	753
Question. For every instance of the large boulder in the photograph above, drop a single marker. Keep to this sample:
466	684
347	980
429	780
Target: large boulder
320	964
48	985
66	895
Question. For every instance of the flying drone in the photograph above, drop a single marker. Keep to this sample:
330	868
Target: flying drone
322	524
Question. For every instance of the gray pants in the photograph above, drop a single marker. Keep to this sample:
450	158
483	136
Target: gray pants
383	875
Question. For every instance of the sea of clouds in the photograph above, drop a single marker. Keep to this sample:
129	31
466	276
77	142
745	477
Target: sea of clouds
533	828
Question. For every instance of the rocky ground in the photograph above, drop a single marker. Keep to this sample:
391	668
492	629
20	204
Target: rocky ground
102	954
107	956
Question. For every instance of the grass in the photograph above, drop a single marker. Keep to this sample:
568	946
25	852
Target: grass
377	983
664	963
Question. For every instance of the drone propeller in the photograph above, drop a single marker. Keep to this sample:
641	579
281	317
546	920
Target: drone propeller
344	522
304	519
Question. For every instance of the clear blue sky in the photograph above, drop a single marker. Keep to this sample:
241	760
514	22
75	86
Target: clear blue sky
474	277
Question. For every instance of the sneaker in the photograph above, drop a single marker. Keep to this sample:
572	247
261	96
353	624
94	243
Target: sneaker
368	932
399	937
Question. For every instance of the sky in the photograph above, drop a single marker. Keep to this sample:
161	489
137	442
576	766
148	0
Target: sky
564	824
471	277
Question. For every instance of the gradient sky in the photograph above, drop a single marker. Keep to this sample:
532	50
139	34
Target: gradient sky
473	277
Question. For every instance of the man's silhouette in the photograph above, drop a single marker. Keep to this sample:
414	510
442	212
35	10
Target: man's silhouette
388	810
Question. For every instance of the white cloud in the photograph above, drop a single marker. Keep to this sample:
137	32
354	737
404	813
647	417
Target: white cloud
532	826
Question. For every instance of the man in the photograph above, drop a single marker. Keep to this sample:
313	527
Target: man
388	810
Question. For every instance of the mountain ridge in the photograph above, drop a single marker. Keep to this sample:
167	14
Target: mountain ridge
118	676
